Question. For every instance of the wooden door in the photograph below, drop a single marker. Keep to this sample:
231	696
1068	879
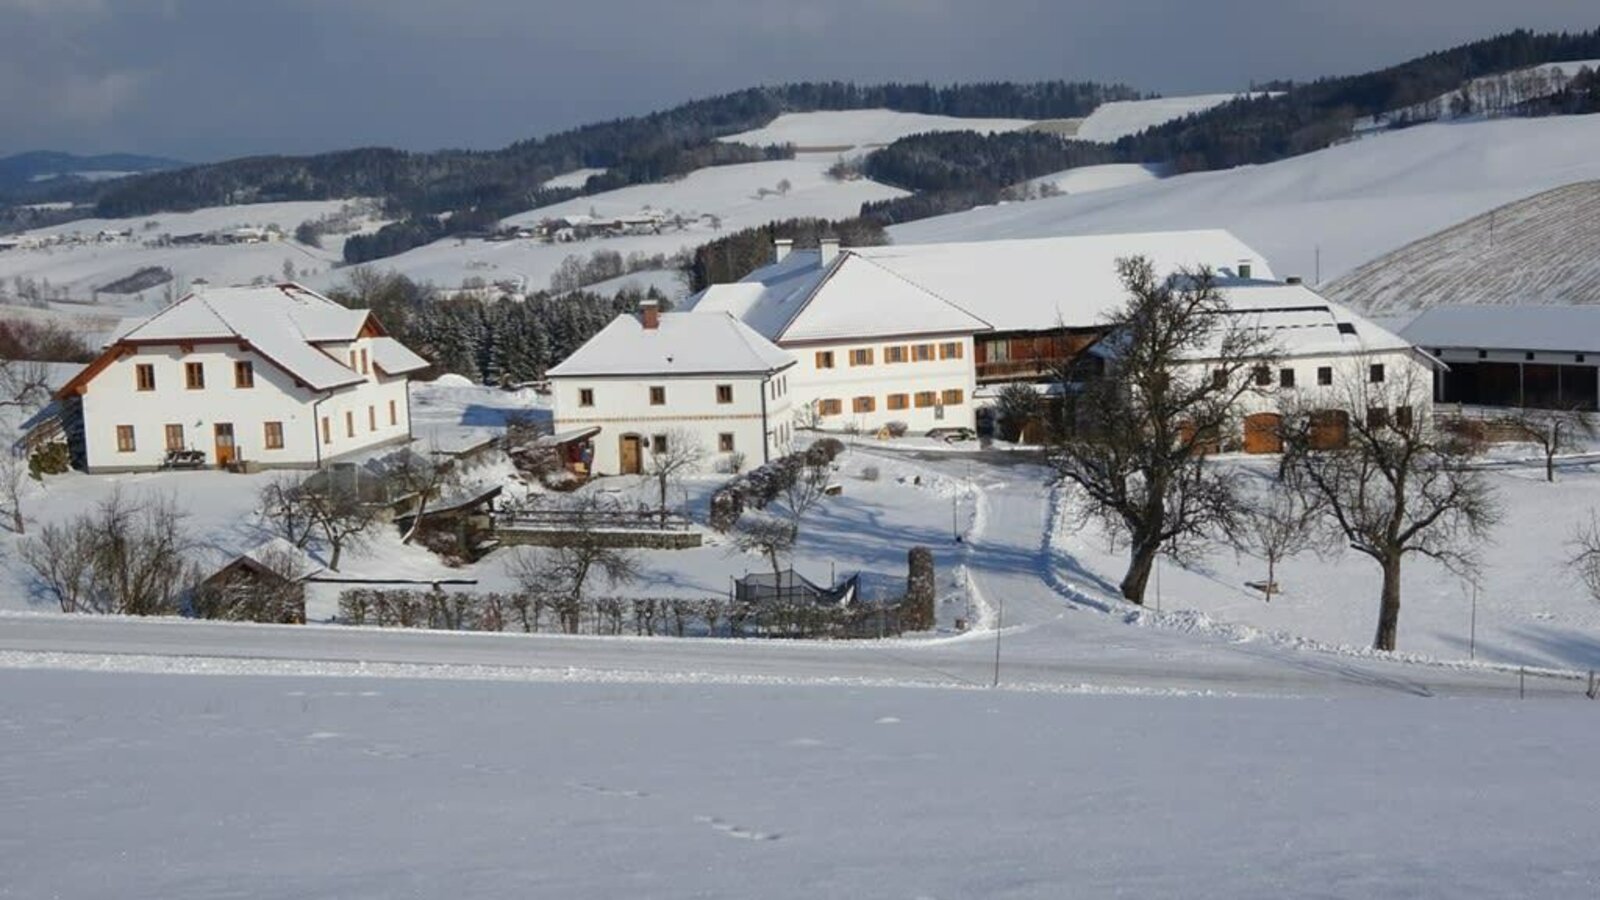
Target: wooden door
225	448
1263	433
630	454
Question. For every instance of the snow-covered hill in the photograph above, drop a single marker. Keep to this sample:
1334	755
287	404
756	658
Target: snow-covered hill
1348	204
79	258
1120	118
695	208
841	130
1086	179
1538	250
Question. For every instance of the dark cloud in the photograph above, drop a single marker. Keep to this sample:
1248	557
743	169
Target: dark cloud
200	79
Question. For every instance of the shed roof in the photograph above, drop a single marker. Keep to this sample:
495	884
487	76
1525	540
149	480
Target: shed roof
1553	329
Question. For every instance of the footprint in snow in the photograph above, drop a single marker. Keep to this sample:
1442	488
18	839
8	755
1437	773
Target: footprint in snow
736	831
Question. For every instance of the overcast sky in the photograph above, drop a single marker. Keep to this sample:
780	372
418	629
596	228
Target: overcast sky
205	79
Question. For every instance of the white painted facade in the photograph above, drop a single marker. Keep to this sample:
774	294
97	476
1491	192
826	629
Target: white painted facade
757	420
153	391
854	385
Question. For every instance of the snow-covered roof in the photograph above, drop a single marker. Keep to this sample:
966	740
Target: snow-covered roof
395	358
681	344
1013	285
1553	329
282	322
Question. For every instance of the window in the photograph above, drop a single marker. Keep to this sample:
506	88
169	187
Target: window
829	407
349	423
244	374
585	398
273	435
824	359
1403	417
1377	417
352	357
724	393
327	431
1219	379
394	415
144	376
897	401
125	439
922	352
1286	378
1578	357
1483	354
1263	376
950	350
1375	373
895	354
658	443
658	396
364	369
926	399
953	397
1528	356
372	418
175	437
194	375
861	357
725	442
863	404
1324	375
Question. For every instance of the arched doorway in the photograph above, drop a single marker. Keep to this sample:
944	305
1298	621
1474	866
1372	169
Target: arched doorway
630	452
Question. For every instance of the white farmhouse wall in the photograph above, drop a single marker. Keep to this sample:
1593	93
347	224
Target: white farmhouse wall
112	398
759	416
881	380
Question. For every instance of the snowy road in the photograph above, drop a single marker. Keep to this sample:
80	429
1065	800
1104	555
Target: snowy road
1048	643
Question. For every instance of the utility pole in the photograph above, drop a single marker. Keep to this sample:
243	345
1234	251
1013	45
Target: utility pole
999	625
1472	628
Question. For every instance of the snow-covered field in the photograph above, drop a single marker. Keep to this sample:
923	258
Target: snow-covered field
82	268
1086	179
1120	118
841	130
1352	203
710	202
122	785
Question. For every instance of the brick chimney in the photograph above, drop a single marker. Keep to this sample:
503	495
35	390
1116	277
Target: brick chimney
650	314
781	248
830	249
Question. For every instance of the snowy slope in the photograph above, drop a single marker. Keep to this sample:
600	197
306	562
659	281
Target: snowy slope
573	179
1087	179
736	196
1538	250
82	266
129	785
1356	201
847	129
1120	118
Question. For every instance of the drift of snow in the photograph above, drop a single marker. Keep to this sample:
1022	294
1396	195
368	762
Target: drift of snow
1352	202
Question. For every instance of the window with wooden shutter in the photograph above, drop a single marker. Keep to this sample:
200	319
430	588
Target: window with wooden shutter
863	404
144	377
194	376
953	397
273	435
244	374
898	401
125	442
175	437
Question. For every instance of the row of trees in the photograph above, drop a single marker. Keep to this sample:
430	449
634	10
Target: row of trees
491	340
733	256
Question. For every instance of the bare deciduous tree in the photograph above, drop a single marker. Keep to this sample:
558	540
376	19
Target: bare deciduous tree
1553	431
318	506
771	536
13	484
564	573
1585	562
681	454
1397	487
122	557
1279	523
1137	456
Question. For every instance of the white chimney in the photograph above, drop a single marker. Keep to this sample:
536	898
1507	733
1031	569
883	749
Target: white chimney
650	314
830	249
781	248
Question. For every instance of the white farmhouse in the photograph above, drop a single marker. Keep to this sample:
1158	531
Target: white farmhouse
872	346
646	380
276	375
